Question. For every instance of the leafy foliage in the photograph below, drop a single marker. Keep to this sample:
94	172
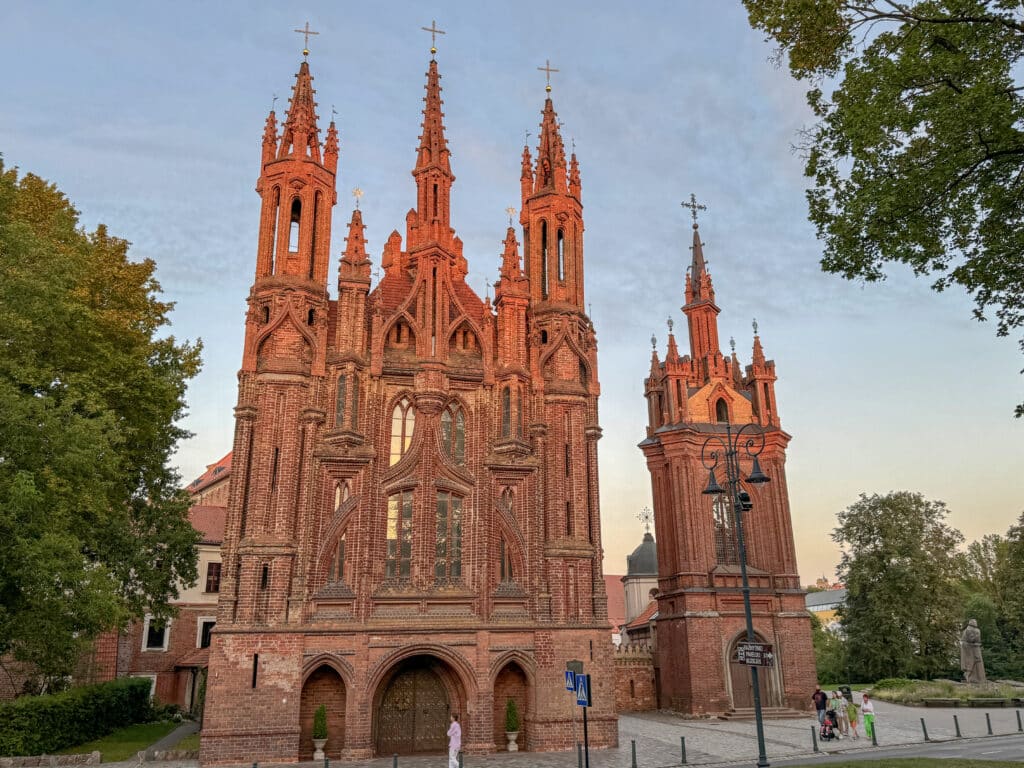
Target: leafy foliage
511	716
900	567
320	722
36	725
93	527
830	657
918	154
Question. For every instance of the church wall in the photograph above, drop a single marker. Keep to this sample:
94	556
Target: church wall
634	678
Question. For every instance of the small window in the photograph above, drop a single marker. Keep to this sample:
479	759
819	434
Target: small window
398	556
721	410
448	561
155	634
453	433
212	577
266	314
506	412
339	402
265	577
561	256
403	421
206	625
505	559
337	572
311	317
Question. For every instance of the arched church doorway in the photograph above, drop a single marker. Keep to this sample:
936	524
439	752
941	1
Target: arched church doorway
742	682
323	686
511	683
412	704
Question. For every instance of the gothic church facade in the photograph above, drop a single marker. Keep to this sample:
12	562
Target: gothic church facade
413	523
700	623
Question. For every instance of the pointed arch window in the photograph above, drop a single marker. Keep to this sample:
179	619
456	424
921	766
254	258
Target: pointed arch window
336	572
273	227
561	255
725	534
403	421
721	410
339	404
341	494
293	227
448	560
453	433
505	571
543	259
398	555
506	412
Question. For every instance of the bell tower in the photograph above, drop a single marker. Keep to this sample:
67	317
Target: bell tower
692	399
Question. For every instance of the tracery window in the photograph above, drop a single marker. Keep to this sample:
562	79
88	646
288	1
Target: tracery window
399	536
403	421
725	533
337	567
506	412
339	403
453	433
341	494
448	562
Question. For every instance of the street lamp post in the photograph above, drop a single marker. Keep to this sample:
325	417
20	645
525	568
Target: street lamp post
749	437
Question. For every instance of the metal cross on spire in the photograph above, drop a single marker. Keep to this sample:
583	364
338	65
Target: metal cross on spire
357	193
511	212
547	69
434	32
273	103
645	516
306	32
334	113
754	324
694	206
526	138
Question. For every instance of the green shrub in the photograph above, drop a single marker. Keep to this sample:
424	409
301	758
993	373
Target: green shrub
320	722
36	725
887	683
511	717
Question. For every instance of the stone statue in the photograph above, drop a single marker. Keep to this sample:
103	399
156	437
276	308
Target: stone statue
970	654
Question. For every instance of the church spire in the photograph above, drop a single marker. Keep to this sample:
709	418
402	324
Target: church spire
551	172
433	172
270	137
700	309
301	134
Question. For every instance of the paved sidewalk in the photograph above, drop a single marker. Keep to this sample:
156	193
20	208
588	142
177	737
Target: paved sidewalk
720	742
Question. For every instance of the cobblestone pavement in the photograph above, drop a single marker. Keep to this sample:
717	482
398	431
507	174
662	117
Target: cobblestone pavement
715	742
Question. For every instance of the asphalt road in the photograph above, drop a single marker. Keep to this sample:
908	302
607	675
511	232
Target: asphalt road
1007	748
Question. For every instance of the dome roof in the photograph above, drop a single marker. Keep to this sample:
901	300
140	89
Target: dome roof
644	560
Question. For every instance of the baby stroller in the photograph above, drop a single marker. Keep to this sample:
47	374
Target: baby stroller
828	727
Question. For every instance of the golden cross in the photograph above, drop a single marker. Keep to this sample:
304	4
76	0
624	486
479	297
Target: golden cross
434	32
694	206
306	32
547	70
357	193
511	212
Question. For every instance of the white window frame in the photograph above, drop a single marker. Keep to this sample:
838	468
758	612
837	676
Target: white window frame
199	628
152	682
145	636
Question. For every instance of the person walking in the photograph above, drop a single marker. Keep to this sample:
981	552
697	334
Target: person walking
838	705
852	715
820	699
868	708
454	741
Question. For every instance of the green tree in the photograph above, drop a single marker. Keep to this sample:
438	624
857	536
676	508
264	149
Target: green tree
901	570
829	653
93	526
917	155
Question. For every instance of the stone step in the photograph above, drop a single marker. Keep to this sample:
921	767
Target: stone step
767	713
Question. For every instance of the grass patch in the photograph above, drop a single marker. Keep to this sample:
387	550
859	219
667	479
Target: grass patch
190	743
915	691
925	762
124	742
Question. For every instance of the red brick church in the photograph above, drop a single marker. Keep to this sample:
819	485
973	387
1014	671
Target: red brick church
700	604
413	522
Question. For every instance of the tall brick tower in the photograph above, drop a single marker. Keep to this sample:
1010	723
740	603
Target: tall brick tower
414	517
700	604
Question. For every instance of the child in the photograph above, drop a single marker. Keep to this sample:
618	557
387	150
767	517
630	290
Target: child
852	715
838	705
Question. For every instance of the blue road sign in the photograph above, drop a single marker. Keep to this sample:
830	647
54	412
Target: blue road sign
583	690
570	680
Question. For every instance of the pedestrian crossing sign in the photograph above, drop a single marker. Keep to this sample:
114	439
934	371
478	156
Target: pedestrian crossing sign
570	680
583	690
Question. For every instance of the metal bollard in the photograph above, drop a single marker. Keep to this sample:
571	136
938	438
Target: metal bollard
394	761
327	762
460	758
814	738
956	724
874	734
632	750
924	729
682	744
579	755
988	722
1020	726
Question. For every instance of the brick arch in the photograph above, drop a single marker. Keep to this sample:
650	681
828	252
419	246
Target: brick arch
323	683
330	536
338	664
563	337
512	680
463	668
410	324
411	457
770	682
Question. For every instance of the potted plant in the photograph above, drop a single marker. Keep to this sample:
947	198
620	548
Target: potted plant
511	725
319	732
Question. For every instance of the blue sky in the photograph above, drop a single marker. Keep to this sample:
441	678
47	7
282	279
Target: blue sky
149	117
